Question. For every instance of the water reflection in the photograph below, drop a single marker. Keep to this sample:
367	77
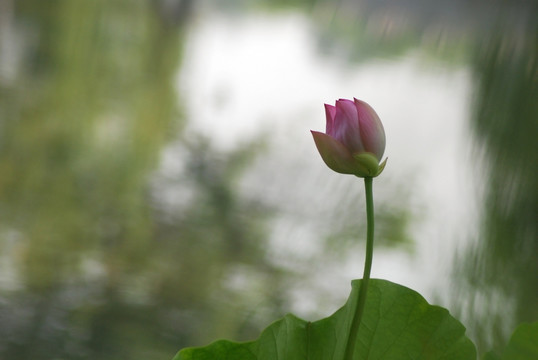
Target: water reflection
145	207
320	214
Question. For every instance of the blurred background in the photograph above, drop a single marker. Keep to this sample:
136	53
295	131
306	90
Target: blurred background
159	186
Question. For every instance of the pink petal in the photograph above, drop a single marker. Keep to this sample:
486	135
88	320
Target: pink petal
346	126
372	133
335	154
330	112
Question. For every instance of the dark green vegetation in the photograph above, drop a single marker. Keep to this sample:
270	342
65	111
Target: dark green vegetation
502	268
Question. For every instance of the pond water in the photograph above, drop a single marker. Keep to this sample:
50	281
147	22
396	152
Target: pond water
262	75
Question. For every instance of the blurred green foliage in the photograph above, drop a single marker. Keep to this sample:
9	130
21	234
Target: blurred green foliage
93	267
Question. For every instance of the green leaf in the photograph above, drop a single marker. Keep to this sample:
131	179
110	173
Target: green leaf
523	344
491	355
397	324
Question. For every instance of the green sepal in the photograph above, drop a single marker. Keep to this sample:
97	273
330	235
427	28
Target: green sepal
369	163
381	167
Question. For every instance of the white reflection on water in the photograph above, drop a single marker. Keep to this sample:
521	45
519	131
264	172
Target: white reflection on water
252	75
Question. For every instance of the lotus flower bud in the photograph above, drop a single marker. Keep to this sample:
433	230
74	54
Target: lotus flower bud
354	139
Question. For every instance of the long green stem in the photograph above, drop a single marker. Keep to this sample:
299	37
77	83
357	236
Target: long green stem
359	310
